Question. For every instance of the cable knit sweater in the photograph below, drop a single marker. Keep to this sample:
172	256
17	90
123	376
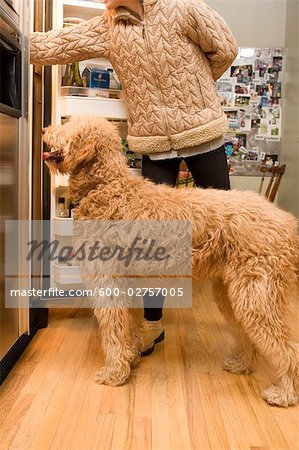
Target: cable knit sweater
167	64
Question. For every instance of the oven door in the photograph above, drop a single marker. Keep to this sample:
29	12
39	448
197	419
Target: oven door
10	67
9	147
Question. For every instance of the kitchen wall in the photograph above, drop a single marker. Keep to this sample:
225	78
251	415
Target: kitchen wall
289	190
255	23
272	23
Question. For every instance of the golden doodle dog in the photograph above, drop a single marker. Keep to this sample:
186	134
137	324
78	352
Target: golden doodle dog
245	244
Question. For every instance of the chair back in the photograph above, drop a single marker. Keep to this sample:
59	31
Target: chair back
275	176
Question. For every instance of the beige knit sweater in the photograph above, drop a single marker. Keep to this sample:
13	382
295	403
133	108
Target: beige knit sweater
167	64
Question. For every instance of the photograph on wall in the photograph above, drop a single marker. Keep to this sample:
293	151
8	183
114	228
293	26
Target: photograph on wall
270	160
229	145
227	99
275	90
255	122
262	89
242	89
271	113
277	62
245	120
243	73
242	100
255	102
277	52
224	86
270	124
262	63
241	139
273	74
233	119
264	52
263	129
250	92
251	155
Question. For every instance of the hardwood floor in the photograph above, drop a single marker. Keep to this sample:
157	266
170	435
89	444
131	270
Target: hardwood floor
177	398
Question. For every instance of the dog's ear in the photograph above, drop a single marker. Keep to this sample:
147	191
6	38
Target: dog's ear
82	148
89	138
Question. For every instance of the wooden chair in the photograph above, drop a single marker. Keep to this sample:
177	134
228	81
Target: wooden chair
276	173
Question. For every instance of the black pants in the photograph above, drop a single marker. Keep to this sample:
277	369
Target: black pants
209	170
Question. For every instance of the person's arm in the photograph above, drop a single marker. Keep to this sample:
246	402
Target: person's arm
86	40
208	29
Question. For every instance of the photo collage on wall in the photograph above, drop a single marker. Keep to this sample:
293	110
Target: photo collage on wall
250	93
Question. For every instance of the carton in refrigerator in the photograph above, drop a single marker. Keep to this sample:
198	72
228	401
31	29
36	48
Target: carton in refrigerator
95	77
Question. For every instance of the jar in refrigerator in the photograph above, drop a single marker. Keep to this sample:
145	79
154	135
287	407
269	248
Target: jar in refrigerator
62	210
67	77
113	84
76	77
71	209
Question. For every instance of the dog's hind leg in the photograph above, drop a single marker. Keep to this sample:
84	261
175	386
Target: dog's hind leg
120	344
241	360
259	304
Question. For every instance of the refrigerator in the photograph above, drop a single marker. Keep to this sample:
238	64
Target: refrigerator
14	179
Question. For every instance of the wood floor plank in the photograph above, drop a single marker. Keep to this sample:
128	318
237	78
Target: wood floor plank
10	426
194	406
122	440
142	433
63	437
218	438
103	433
180	435
178	398
143	387
161	424
46	430
34	415
13	385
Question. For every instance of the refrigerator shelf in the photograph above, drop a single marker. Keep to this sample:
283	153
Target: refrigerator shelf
104	107
70	91
82	8
62	226
65	275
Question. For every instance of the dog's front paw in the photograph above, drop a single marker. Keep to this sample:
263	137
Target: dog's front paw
134	359
276	395
236	364
112	376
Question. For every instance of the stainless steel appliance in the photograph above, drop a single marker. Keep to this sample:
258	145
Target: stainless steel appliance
10	113
11	8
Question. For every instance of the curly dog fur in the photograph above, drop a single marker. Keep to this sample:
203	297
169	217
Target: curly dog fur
245	244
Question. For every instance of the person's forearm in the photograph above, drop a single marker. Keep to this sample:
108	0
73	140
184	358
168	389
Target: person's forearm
70	44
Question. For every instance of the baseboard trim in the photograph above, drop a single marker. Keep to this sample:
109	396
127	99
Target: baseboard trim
12	356
38	320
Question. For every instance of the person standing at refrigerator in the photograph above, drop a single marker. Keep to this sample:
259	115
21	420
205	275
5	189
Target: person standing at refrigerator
168	55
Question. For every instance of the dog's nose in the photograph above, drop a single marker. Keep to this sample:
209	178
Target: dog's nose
44	130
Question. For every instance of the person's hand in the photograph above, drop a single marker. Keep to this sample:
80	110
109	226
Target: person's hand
112	4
